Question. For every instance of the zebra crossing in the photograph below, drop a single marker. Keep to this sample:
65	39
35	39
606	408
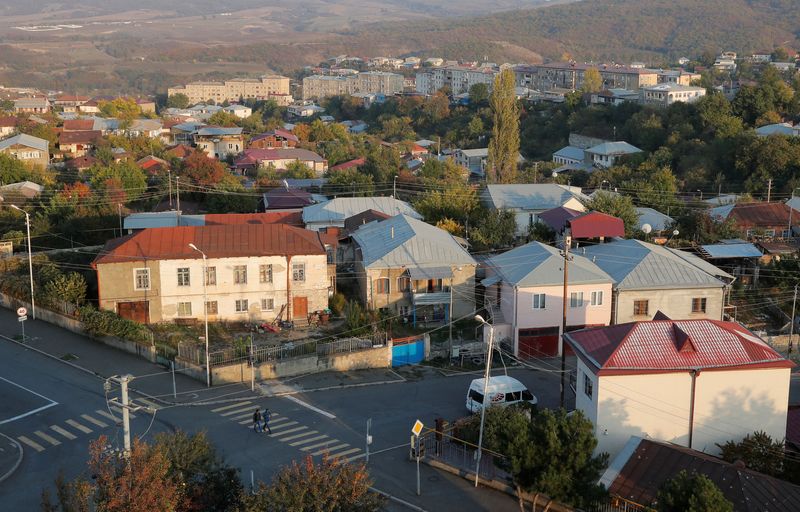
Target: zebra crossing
71	429
290	432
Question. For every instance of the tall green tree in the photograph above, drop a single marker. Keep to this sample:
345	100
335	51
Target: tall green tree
618	206
691	492
592	81
504	145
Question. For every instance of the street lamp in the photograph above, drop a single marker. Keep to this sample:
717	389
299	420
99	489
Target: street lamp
603	183
205	312
30	257
701	193
480	319
394	187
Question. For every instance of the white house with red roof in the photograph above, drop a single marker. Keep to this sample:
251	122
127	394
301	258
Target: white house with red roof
695	383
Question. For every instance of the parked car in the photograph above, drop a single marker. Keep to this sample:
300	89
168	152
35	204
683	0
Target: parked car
502	390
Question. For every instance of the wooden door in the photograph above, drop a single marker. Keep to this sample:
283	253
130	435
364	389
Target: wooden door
299	307
137	311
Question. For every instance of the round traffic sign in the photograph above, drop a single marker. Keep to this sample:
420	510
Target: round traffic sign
22	311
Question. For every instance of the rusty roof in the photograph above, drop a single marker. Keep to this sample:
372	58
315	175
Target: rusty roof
761	214
225	219
596	225
79	137
672	345
649	464
220	241
76	125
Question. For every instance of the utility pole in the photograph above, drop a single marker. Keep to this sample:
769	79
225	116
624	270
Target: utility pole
123	404
450	322
178	192
169	180
30	256
119	214
485	403
791	321
769	189
567	242
252	365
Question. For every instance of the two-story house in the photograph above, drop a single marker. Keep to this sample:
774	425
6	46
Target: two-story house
527	201
8	125
525	294
273	139
219	142
252	272
758	220
414	270
695	383
280	159
27	148
78	143
650	278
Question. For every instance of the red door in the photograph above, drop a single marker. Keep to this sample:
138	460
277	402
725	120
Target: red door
299	307
137	311
535	343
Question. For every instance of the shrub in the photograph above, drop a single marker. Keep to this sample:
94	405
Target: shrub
337	303
107	323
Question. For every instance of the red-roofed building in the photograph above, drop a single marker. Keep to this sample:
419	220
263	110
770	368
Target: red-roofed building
280	158
758	221
273	139
70	102
152	164
78	143
78	125
180	151
596	225
695	383
356	163
81	163
8	125
254	272
225	219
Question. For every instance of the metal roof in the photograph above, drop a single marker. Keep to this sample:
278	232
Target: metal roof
556	218
215	131
637	265
531	196
421	273
223	241
719	251
341	208
23	139
596	225
570	152
644	465
614	148
537	264
405	241
773	129
657	220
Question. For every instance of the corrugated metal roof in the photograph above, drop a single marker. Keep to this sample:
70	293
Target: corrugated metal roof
420	273
24	139
537	264
404	241
214	131
531	196
570	152
596	225
341	208
637	265
647	464
556	218
661	345
719	251
767	215
614	148
216	241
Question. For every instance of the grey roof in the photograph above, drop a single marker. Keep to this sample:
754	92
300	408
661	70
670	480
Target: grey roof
794	203
719	251
657	220
722	200
535	196
614	148
24	139
472	153
105	124
170	219
637	265
570	152
721	212
145	125
213	131
537	264
405	241
343	207
773	129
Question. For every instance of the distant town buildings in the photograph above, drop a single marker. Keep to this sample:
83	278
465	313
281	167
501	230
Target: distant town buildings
268	87
458	79
370	82
666	94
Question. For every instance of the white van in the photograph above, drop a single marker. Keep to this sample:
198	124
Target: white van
502	390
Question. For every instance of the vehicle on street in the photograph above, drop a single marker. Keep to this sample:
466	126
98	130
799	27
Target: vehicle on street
502	390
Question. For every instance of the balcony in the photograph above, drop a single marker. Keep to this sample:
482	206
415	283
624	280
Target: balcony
429	298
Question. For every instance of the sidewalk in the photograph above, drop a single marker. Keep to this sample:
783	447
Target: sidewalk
329	380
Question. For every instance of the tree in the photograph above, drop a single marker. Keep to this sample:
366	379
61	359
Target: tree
758	451
349	182
504	144
330	485
495	229
178	100
202	170
124	109
618	206
299	170
451	226
121	182
222	118
69	288
478	94
457	202
691	493
592	81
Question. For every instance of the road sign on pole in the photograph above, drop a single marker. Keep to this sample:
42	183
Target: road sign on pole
417	428
21	311
22	319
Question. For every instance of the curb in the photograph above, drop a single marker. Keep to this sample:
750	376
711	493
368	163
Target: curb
328	388
397	500
19	459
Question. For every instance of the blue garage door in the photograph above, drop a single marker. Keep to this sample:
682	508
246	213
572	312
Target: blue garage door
408	353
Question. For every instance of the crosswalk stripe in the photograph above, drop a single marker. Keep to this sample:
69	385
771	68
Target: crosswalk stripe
346	452
354	457
149	404
73	423
239	404
243	416
33	444
237	411
92	420
329	448
317	445
118	410
298	436
308	440
108	415
49	439
276	434
282	425
64	433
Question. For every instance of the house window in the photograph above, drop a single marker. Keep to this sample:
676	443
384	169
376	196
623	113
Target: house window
382	285
640	307
211	307
267	304
240	274
786	233
141	279
588	385
298	271
404	311
699	305
211	276
539	301
265	273
576	299
597	298
241	306
184	309
183	277
769	233
403	284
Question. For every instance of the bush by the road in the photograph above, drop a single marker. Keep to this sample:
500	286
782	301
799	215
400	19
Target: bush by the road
107	323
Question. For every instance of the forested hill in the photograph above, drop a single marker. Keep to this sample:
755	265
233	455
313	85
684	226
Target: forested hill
603	29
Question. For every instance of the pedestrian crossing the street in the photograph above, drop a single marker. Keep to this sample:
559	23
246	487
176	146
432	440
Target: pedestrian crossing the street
293	433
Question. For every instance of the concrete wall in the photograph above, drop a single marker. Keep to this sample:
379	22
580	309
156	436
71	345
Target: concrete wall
676	304
728	406
115	283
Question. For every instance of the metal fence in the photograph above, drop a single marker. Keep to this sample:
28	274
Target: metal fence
462	455
617	504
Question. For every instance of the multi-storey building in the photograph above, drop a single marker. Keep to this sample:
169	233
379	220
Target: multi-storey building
570	75
666	94
458	79
268	87
371	82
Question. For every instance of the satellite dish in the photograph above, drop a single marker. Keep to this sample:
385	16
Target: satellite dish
676	233
647	228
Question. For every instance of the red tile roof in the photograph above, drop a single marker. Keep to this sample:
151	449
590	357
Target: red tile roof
82	162
346	165
596	225
221	241
180	151
72	98
766	215
82	137
225	219
276	133
672	345
8	121
73	125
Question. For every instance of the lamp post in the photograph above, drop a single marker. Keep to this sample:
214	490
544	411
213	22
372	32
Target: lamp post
119	214
394	187
30	257
480	319
701	194
791	209
603	183
205	312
